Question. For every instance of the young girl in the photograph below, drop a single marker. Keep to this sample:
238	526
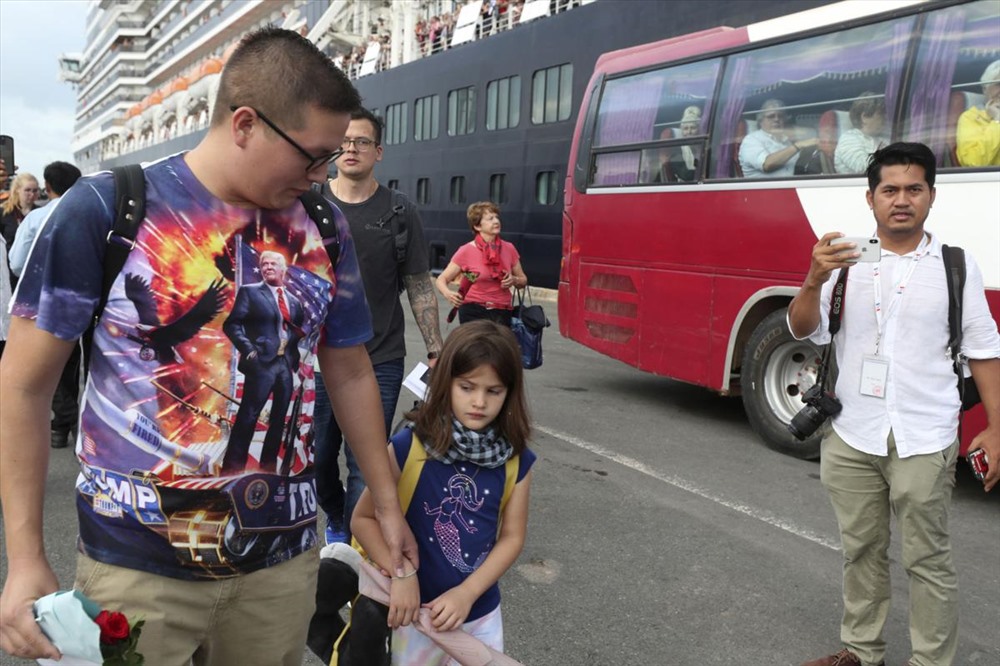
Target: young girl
473	421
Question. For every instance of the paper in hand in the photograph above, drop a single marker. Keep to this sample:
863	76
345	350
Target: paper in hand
417	380
66	618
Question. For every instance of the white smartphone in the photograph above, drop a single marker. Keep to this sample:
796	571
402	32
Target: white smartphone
869	247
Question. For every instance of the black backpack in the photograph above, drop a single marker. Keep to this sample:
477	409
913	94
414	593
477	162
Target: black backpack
130	209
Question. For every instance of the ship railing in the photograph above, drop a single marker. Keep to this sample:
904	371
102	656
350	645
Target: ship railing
430	43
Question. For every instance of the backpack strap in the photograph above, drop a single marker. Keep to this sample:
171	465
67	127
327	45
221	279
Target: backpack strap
954	268
130	210
510	467
410	474
321	213
407	483
400	234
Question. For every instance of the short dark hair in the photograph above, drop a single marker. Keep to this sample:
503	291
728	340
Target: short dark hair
468	347
901	153
60	176
476	211
365	114
281	73
868	104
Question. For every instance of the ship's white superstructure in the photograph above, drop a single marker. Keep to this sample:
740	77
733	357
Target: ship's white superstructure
147	78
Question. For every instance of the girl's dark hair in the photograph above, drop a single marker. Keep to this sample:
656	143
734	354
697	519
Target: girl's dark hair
467	348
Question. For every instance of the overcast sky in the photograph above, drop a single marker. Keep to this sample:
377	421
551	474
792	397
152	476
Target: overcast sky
35	107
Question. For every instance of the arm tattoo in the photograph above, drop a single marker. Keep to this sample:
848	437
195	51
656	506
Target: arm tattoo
423	302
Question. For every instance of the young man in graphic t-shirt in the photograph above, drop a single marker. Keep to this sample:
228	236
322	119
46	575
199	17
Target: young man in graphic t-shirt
215	553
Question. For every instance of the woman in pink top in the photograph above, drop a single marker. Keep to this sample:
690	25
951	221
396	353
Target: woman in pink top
489	268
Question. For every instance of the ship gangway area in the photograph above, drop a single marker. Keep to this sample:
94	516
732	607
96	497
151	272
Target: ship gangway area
663	533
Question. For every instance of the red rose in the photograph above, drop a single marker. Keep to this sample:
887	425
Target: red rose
114	627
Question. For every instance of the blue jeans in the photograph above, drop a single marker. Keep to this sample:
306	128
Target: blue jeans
338	505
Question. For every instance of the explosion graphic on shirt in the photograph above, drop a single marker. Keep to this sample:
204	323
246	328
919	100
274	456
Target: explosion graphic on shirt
194	272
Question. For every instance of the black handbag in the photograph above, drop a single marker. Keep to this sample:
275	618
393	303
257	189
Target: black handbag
528	322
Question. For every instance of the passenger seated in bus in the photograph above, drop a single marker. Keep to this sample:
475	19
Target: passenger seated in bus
770	152
856	145
684	163
978	132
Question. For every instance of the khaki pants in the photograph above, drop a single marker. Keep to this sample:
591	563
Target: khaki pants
257	618
863	489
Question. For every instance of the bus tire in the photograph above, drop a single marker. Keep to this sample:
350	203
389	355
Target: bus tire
777	370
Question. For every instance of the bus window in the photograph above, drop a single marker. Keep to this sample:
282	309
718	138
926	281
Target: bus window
955	101
668	107
784	109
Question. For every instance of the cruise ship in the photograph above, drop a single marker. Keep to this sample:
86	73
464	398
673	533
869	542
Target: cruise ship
479	98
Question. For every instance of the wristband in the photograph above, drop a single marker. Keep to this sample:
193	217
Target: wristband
409	575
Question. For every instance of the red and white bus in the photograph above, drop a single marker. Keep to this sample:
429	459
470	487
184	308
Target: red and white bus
680	254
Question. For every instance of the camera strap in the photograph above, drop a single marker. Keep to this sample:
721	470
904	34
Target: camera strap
836	312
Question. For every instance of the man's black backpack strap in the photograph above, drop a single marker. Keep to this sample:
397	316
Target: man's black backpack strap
954	268
322	214
396	216
130	209
400	234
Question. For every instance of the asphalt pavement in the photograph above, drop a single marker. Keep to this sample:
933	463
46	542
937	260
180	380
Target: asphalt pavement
662	532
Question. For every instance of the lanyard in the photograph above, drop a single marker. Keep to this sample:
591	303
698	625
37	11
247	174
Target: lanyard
897	295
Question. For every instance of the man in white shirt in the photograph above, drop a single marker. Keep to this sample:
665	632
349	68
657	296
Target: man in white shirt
894	445
772	151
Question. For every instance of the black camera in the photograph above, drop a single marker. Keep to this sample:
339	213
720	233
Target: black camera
820	405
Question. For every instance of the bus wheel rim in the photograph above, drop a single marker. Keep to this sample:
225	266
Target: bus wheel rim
790	372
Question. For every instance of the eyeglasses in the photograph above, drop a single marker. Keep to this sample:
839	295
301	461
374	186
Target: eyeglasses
774	116
314	160
361	144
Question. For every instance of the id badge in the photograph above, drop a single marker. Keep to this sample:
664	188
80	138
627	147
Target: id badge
874	373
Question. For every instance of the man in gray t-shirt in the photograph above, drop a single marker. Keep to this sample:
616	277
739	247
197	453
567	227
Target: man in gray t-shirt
375	214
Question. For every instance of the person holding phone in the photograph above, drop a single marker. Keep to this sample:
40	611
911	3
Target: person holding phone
489	268
893	447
